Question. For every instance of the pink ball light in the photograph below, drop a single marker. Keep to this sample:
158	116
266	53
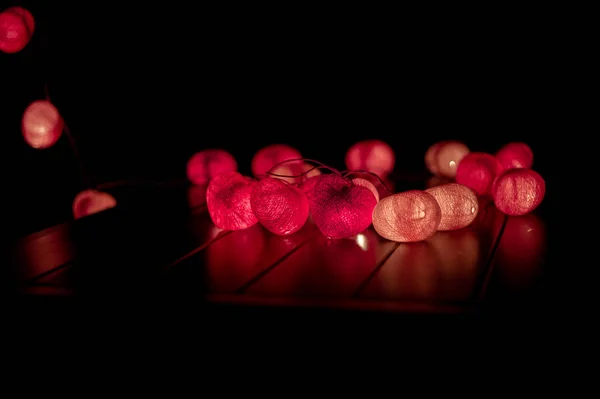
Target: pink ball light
442	158
359	181
205	165
340	208
308	186
515	156
42	124
296	172
16	28
518	191
371	155
410	216
458	203
280	207
478	171
271	155
89	202
228	201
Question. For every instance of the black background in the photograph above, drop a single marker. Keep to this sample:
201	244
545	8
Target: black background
143	88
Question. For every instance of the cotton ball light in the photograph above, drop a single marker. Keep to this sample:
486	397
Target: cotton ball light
308	186
371	155
518	191
340	208
228	201
443	157
478	171
41	124
384	186
515	156
89	202
203	166
279	206
410	216
295	172
458	203
269	156
359	181
16	28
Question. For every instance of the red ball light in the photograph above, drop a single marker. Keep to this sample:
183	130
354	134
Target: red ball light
478	171
359	181
228	201
409	216
518	191
371	155
16	28
42	124
295	172
271	155
205	165
89	202
340	208
280	207
458	203
515	156
308	186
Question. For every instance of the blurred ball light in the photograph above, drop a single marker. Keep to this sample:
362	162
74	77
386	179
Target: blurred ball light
458	203
271	155
478	171
409	216
205	165
442	158
89	202
42	124
228	201
16	28
519	191
371	155
515	156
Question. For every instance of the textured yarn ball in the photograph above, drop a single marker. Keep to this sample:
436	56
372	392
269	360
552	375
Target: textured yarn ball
371	155
271	155
458	203
42	124
518	191
89	202
515	156
279	206
16	28
409	216
341	208
228	201
205	165
478	171
308	186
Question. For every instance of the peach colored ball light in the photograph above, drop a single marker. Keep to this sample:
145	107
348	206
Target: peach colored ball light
458	203
89	202
295	172
409	216
205	165
371	155
269	156
518	191
515	156
442	158
42	124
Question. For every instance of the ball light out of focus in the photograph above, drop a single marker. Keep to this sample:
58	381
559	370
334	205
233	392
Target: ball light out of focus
442	158
228	201
270	156
515	156
340	208
371	155
16	29
478	171
409	216
295	172
89	202
279	206
205	165
42	124
518	191
458	203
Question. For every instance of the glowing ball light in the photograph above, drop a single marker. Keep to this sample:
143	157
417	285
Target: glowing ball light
16	28
478	171
205	165
410	216
271	155
515	156
384	186
458	203
340	208
89	202
42	124
295	172
518	191
228	201
307	187
359	181
279	206
371	155
442	158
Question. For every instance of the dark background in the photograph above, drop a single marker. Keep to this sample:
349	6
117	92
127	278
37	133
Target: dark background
144	88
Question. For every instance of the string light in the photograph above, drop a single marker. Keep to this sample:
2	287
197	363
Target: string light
205	165
519	191
478	171
16	29
89	202
271	155
371	155
459	205
514	156
228	201
42	124
442	158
